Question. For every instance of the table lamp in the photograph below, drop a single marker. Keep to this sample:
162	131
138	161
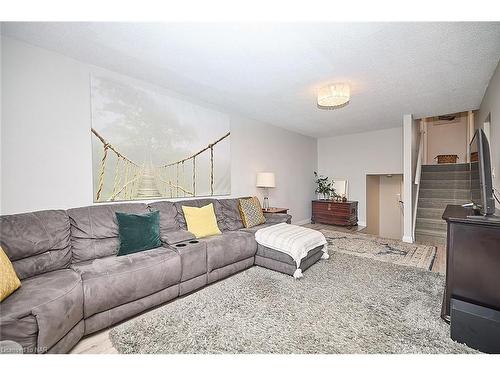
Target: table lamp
266	180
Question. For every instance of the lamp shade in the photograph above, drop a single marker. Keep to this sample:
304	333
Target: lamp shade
266	179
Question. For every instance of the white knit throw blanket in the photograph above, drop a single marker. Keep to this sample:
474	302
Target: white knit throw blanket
293	240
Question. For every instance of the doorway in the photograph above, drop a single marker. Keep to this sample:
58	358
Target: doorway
384	210
446	135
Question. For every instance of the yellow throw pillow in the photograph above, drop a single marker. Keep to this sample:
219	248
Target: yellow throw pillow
201	221
251	212
9	281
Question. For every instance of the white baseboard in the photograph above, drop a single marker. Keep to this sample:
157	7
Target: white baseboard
408	239
362	223
302	222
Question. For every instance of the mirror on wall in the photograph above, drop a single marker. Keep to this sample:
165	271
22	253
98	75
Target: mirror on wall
340	186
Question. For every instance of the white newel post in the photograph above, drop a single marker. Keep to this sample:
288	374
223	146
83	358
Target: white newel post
407	179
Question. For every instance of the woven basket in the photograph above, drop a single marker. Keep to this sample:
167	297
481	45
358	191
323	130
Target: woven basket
446	159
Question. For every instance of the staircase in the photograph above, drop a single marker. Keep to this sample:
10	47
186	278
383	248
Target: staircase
440	185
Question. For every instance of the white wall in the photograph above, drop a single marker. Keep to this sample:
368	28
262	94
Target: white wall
491	105
447	139
256	147
354	156
1	128
46	143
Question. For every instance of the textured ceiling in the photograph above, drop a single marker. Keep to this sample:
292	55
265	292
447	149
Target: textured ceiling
270	72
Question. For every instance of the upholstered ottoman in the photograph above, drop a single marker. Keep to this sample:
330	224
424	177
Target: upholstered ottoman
289	249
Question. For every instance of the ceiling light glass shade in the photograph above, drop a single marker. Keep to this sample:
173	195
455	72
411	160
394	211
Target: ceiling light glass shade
334	96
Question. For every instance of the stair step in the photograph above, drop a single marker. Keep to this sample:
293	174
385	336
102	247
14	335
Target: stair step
445	193
445	175
430	213
432	224
439	202
444	184
445	167
430	232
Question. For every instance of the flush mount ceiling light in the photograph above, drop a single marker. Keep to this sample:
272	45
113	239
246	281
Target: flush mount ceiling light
334	96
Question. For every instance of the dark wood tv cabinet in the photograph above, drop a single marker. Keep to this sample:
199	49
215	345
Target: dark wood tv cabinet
335	213
471	299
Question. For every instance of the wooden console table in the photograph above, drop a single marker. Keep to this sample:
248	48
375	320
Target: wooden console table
471	299
472	259
335	213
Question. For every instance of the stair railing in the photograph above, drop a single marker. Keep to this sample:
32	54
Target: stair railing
418	172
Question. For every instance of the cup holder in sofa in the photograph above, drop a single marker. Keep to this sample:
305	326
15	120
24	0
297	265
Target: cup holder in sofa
180	245
194	241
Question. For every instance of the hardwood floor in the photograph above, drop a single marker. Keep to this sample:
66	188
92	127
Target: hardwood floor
99	343
440	260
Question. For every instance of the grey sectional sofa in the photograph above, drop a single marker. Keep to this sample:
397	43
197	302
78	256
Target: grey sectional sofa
73	284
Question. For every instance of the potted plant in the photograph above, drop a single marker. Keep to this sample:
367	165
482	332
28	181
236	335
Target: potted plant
325	188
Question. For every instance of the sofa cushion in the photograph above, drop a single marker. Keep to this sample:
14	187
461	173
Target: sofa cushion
138	232
231	214
43	310
113	281
36	242
228	248
168	217
272	218
256	228
94	229
198	203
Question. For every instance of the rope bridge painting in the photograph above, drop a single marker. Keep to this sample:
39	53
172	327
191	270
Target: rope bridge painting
148	145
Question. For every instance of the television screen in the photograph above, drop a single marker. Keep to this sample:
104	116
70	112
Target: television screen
475	186
481	187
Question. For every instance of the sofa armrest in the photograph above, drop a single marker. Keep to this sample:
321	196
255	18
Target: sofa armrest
175	236
277	218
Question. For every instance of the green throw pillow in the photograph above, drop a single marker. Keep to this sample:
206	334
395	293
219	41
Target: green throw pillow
138	232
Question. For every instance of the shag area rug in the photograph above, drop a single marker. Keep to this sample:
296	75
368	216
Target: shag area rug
346	304
383	249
